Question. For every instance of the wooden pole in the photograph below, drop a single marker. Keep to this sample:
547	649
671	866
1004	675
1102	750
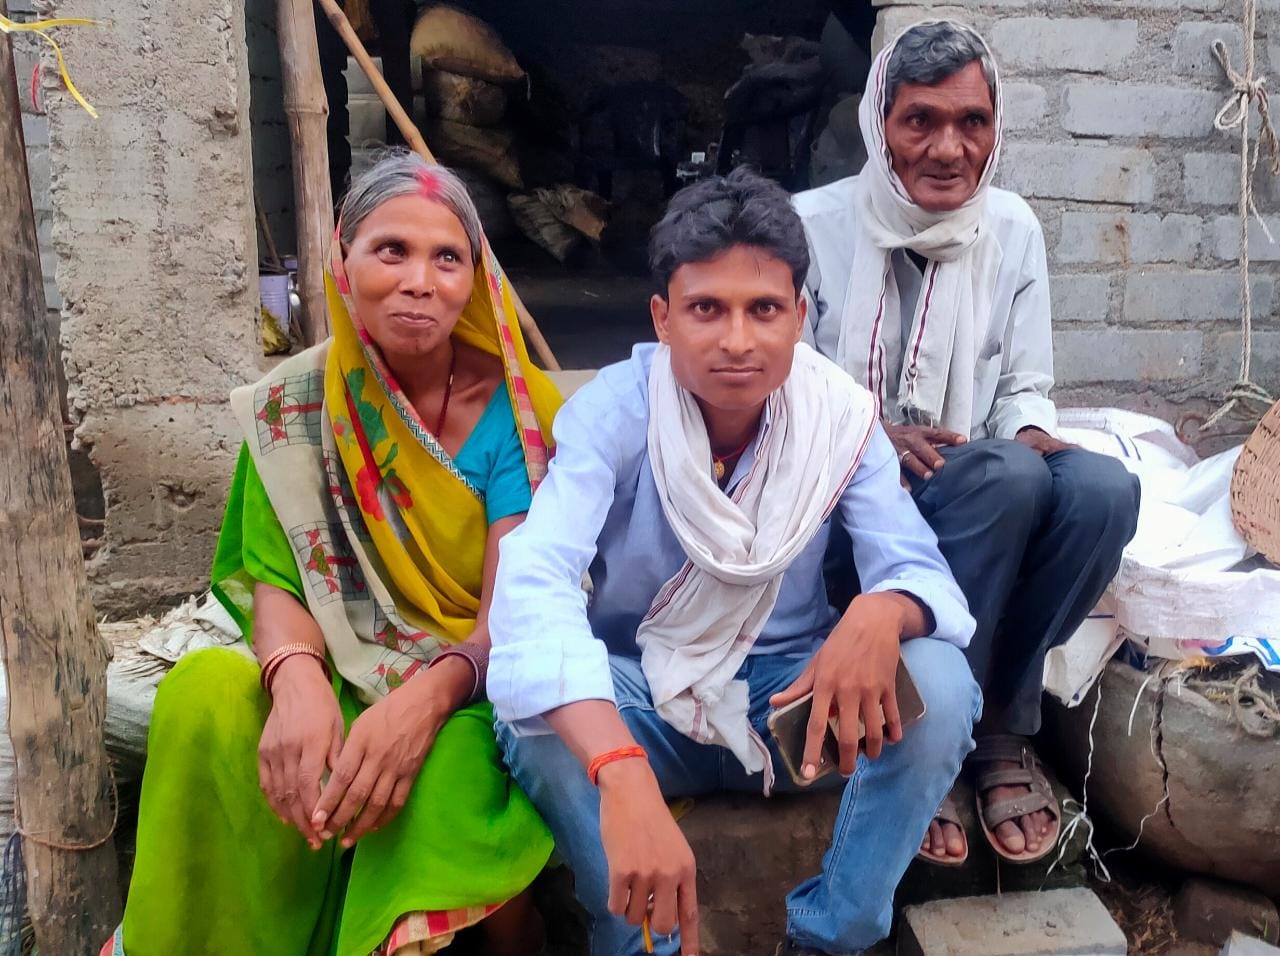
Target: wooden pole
307	111
55	662
414	138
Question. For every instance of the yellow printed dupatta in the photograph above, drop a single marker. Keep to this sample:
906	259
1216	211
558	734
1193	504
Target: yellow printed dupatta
388	534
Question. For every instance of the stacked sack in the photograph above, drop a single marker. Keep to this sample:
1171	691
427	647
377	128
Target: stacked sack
466	66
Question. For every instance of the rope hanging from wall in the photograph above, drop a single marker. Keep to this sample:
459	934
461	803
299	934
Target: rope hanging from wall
1246	88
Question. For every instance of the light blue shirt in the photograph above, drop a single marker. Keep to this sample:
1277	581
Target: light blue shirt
598	510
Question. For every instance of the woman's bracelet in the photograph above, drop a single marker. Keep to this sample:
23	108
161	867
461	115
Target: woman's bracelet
477	657
281	654
610	756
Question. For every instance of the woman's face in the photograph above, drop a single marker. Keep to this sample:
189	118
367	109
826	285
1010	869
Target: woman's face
411	274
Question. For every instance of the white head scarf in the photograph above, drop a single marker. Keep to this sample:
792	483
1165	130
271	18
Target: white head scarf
936	383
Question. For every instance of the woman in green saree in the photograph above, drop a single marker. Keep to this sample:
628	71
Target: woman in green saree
379	471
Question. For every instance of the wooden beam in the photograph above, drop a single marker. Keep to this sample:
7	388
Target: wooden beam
307	111
55	662
414	138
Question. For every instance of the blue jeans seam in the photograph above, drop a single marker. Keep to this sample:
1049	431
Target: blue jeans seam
845	818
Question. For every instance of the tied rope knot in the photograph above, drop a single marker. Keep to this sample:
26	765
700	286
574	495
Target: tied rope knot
1246	88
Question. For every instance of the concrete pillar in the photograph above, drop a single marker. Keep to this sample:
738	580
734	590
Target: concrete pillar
154	233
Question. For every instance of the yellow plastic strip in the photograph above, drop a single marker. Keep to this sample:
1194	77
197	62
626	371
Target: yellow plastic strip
38	27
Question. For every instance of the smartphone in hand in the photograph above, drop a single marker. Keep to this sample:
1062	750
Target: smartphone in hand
790	724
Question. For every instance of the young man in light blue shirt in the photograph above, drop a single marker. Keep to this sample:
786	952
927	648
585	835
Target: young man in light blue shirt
695	484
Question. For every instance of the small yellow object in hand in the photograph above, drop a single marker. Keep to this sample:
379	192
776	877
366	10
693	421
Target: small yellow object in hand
38	27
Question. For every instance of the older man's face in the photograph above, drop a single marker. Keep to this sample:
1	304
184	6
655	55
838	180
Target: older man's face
941	136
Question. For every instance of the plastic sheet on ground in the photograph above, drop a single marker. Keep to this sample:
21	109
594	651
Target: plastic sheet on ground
1188	585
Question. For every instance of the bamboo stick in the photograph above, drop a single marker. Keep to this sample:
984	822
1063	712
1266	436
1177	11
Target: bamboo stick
307	111
414	138
55	662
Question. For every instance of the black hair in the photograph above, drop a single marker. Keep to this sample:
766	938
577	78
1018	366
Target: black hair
714	214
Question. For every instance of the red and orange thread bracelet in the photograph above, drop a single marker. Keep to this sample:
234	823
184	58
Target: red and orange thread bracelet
610	756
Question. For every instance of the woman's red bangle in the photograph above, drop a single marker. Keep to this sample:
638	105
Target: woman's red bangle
610	756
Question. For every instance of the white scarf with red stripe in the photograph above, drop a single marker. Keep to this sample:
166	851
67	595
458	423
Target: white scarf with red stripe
935	386
704	621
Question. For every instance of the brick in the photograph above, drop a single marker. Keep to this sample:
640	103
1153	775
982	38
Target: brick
1211	178
1086	45
1192	53
1209	911
1130	109
1122	237
1072	171
1226	239
1191	297
1054	923
1080	298
1024	105
368	120
1125	355
1241	945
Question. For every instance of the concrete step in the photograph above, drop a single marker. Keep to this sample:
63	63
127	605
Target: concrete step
1069	922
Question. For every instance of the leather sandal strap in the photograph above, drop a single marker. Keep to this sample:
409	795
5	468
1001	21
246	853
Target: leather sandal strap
1004	747
1022	777
1001	811
948	812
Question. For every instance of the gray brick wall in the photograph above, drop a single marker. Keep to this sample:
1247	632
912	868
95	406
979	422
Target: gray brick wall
1109	112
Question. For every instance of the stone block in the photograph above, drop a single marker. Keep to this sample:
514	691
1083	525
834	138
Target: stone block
1130	109
1226	239
1086	356
1191	297
1070	922
1024	105
1241	945
368	120
1209	911
1128	237
1222	358
1085	45
38	177
1072	171
1192	48
1080	298
357	82
35	130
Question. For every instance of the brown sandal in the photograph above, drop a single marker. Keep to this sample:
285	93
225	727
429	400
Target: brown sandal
1015	749
948	812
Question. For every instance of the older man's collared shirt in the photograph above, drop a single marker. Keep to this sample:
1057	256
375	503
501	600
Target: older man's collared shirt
599	510
1014	371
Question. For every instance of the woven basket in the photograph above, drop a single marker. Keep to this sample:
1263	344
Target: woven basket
1255	487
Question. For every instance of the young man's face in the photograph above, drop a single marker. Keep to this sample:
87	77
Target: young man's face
732	323
941	136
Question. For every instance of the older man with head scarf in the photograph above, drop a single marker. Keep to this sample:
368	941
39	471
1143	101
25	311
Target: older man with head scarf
930	287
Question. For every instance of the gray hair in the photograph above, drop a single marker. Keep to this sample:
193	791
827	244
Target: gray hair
402	173
928	53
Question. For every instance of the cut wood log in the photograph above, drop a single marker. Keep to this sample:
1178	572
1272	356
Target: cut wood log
55	662
307	112
414	138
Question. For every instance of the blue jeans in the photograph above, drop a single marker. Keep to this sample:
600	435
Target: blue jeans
886	809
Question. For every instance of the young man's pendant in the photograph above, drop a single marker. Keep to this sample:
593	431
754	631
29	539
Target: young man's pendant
719	470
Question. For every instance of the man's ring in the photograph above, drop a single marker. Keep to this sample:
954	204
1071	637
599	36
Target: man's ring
902	459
